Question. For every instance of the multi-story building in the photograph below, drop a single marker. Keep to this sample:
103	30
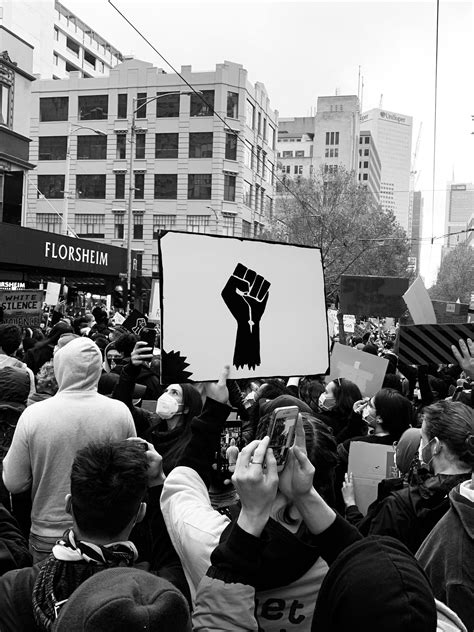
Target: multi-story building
392	134
192	169
15	87
415	230
62	42
459	208
369	165
296	146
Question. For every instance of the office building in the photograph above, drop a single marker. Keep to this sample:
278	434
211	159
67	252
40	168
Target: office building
459	208
62	42
15	87
392	134
296	147
190	171
369	171
415	231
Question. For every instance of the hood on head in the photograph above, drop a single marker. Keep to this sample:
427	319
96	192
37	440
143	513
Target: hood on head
78	365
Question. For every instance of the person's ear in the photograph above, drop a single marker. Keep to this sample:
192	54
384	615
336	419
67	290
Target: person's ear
68	503
437	446
141	513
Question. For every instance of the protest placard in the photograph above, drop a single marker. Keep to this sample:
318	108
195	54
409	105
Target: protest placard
430	344
23	308
364	369
419	303
52	293
257	306
372	295
369	464
154	311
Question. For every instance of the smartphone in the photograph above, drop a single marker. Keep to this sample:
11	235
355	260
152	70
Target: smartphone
149	336
282	433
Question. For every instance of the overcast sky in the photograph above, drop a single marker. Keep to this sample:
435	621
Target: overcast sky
302	50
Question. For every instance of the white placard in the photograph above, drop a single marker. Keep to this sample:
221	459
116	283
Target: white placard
362	368
154	314
118	319
52	293
370	463
419	303
274	291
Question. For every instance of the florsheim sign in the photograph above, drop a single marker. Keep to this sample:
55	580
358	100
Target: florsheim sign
39	249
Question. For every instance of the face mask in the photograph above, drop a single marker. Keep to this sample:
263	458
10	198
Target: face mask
326	402
167	406
421	450
416	393
369	419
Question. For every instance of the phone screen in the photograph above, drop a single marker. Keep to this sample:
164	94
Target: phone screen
148	336
282	433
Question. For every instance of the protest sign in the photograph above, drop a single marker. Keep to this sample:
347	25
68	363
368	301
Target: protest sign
364	369
430	344
370	463
23	308
135	322
154	312
419	303
257	306
118	319
372	296
52	293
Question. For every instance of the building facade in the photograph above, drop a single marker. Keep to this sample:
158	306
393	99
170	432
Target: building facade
296	147
370	165
459	208
415	230
15	88
190	170
392	134
62	42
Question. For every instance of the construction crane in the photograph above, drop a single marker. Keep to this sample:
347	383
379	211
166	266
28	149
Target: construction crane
414	174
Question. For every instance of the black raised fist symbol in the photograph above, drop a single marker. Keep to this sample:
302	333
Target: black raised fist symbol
246	296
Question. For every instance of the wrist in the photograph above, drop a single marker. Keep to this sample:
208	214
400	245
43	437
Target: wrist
253	522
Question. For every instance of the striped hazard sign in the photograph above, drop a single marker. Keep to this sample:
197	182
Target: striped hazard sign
431	344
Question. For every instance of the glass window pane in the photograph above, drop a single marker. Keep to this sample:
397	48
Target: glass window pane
52	148
167	105
141	105
166	186
230	146
90	186
233	104
199	186
51	186
94	107
166	145
54	108
122	106
203	104
200	145
92	147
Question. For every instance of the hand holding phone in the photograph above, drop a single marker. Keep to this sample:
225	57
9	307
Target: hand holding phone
149	336
282	432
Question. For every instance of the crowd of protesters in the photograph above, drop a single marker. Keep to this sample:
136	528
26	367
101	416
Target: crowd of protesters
117	513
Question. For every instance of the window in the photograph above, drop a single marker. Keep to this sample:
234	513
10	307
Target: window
200	186
163	222
119	186
121	151
73	46
138	225
287	154
56	33
259	152
269	206
298	170
264	131
49	222
228	225
203	104
299	154
140	146
118	225
366	164
230	146
257	198
272	136
89	225
141	105
166	186
259	123
233	105
89	58
247	196
71	67
166	145
154	264
367	140
264	164
52	148
91	186
229	187
250	115
365	176
92	147
51	186
93	108
200	145
257	229
248	155
246	228
139	261
361	140
53	109
197	223
55	59
122	106
332	138
167	105
139	186
286	169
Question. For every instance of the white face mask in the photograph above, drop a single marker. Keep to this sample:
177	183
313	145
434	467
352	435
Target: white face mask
167	406
421	449
326	402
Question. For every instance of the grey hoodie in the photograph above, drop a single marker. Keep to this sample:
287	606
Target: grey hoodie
10	361
50	432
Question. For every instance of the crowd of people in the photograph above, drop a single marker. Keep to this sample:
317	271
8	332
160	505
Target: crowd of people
126	505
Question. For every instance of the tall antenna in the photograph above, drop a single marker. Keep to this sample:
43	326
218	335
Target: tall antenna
362	94
381	101
358	85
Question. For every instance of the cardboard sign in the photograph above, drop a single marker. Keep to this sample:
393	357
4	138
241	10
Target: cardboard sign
52	293
364	369
370	463
256	306
135	322
419	303
373	296
154	313
118	319
23	308
430	344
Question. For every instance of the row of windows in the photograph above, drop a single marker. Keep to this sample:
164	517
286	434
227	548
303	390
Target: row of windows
258	122
297	169
289	154
364	176
332	138
255	198
364	139
167	105
94	147
366	152
365	164
165	186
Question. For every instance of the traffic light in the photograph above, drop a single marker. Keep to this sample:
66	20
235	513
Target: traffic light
119	296
72	294
132	295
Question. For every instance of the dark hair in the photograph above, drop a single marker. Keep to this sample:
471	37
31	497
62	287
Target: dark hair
356	340
60	328
309	391
10	338
272	388
125	344
30	341
395	410
79	323
452	423
369	348
392	381
346	394
388	344
438	385
108	483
